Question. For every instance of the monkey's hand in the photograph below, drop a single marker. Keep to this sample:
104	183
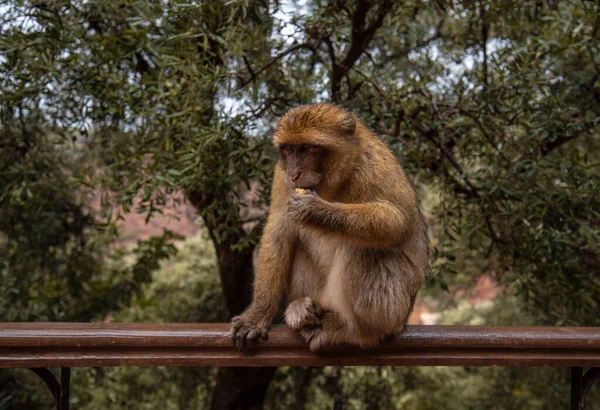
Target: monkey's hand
302	205
245	330
303	312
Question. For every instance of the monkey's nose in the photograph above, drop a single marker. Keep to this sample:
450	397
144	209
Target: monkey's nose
296	175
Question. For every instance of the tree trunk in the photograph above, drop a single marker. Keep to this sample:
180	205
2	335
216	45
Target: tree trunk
237	276
241	388
238	388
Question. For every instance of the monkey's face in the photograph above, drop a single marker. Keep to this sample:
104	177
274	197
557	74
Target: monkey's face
303	163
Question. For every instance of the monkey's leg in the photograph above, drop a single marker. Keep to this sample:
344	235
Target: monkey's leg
303	312
271	275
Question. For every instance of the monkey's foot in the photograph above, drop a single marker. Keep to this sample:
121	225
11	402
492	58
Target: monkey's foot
302	313
333	331
315	337
244	332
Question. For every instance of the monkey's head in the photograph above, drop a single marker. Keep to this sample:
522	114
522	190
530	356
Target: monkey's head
314	143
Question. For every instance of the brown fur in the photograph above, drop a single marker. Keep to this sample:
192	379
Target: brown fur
351	251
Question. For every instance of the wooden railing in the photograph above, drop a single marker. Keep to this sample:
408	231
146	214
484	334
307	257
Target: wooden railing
41	345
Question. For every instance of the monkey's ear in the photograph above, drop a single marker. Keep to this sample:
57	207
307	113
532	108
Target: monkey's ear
348	124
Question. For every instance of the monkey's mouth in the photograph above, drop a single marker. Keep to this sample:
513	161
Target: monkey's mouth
295	185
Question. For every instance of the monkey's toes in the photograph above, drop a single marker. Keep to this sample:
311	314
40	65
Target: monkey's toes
244	333
314	338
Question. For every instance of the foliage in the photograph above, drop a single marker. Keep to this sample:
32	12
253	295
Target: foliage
53	250
492	107
486	102
138	81
174	296
171	296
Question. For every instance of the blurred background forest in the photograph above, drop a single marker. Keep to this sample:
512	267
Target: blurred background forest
135	161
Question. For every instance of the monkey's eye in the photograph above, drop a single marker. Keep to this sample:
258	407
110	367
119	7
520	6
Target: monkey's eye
285	149
304	148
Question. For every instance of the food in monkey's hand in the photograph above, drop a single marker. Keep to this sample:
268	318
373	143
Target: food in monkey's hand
300	191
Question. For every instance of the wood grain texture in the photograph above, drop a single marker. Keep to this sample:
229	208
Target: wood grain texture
179	344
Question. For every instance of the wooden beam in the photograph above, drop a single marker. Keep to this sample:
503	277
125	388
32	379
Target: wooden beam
179	344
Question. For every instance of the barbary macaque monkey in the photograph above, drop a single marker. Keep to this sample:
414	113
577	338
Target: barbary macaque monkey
345	236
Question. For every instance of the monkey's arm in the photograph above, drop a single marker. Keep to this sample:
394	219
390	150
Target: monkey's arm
271	275
372	224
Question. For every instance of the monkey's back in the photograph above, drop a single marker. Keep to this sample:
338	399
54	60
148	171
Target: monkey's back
382	282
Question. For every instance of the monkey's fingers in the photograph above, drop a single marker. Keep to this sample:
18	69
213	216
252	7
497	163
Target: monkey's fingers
234	331
264	335
239	332
316	313
319	312
258	332
239	339
298	197
294	197
236	324
242	342
252	335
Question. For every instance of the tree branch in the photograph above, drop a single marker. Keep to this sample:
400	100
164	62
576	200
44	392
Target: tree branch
361	37
386	58
369	79
335	69
431	135
550	146
278	57
484	39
